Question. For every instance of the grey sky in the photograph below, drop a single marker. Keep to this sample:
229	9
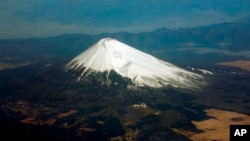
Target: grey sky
44	18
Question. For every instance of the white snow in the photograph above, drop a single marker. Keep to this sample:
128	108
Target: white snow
205	71
143	69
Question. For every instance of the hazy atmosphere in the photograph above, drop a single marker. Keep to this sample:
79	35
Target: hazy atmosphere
29	18
134	70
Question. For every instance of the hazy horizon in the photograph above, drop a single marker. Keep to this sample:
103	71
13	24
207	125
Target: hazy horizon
27	18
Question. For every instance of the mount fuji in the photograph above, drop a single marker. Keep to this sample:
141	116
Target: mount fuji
141	68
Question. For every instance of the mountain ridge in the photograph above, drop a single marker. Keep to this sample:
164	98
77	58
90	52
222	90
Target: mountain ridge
225	36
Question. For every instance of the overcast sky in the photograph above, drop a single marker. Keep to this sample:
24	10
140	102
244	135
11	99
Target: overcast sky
44	18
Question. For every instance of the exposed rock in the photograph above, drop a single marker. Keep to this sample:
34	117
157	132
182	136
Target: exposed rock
63	115
31	120
100	122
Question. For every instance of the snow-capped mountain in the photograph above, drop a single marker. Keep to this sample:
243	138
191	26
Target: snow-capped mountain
141	68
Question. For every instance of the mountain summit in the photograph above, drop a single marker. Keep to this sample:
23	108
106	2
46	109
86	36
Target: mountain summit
141	68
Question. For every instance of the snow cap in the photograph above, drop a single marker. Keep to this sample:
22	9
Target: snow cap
141	68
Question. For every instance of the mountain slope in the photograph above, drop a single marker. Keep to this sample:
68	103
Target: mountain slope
141	68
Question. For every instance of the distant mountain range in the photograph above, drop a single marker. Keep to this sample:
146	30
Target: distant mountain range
226	36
